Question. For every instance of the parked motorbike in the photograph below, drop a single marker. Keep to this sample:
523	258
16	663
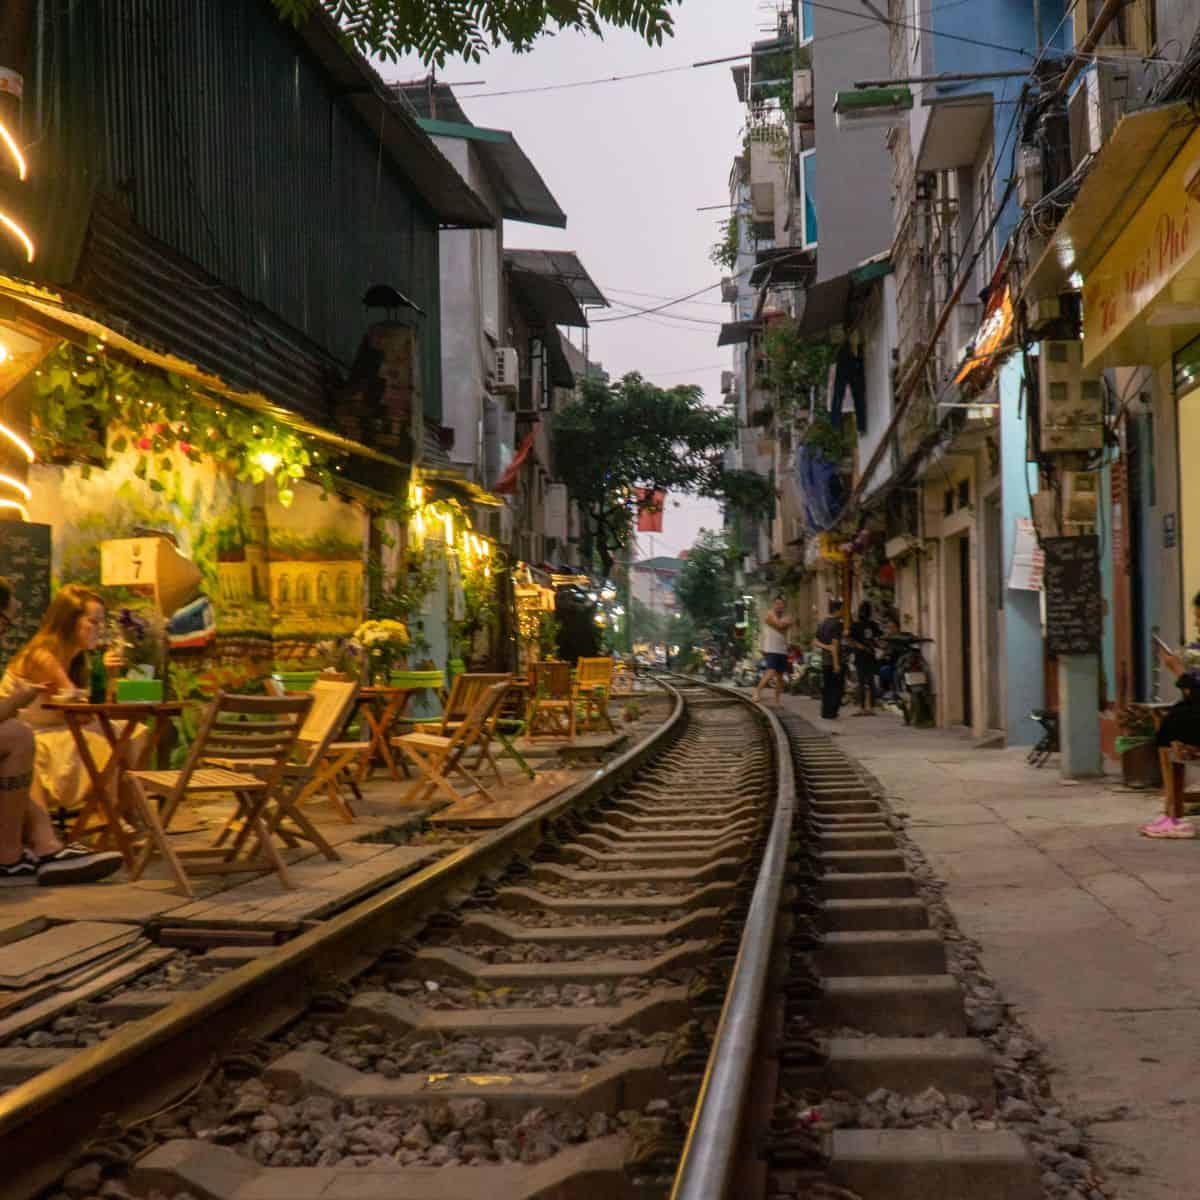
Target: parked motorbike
914	680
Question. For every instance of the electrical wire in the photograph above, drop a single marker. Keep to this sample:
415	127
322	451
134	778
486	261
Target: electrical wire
828	37
672	316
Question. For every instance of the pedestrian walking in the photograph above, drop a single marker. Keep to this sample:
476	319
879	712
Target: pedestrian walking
774	648
864	641
829	642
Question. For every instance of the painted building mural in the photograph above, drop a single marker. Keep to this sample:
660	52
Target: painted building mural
270	582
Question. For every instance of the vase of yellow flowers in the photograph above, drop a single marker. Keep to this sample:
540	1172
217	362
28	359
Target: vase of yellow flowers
384	645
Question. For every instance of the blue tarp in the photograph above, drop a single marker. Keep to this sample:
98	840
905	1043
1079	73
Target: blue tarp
822	487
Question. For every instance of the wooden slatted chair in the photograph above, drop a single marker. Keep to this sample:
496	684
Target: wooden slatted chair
259	734
551	703
440	759
465	692
593	686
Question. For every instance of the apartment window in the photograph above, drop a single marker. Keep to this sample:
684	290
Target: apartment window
808	197
985	211
806	21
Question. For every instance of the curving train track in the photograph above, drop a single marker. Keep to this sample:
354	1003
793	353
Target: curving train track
651	985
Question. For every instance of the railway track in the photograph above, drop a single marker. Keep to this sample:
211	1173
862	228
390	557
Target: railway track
660	983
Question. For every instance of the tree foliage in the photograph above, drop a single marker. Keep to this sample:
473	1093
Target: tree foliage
648	625
617	437
705	587
441	29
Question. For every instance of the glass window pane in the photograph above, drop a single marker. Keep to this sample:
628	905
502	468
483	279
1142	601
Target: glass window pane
810	198
806	20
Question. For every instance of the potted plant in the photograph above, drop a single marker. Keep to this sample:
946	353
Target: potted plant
1137	748
384	645
631	712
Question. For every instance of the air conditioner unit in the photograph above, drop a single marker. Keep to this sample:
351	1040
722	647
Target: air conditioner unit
1071	400
802	90
1030	176
507	368
729	290
1103	94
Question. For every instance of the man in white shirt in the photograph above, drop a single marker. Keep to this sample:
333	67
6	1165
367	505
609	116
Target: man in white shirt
774	649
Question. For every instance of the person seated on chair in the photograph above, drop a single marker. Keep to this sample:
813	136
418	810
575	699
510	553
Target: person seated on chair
57	661
1178	736
30	852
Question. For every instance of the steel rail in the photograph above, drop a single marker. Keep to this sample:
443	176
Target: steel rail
710	1152
151	1062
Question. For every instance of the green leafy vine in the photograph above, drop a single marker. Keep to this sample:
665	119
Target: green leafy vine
90	406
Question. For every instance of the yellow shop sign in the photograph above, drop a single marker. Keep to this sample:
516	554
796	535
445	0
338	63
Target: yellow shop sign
1143	299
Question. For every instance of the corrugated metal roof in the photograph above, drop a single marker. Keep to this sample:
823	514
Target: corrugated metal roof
440	185
524	194
562	265
274	163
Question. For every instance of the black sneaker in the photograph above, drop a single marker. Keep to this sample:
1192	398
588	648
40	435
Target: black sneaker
76	863
23	871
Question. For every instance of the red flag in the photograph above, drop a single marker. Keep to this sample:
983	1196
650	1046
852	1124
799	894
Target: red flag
650	509
506	485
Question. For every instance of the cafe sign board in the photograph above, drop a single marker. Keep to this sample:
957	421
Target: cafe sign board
1142	301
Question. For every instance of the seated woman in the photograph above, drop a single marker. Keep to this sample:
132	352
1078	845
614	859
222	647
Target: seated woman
30	853
1178	736
57	659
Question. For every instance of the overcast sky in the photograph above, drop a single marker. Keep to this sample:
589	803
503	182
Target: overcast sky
630	163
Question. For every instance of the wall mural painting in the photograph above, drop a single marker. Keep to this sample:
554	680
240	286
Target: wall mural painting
316	577
268	584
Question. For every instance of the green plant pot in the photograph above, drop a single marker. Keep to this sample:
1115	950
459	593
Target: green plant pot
456	667
297	681
417	679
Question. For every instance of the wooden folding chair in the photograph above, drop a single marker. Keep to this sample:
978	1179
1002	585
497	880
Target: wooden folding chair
464	695
258	734
551	704
593	686
440	758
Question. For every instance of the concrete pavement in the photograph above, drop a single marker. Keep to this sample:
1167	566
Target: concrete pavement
1091	932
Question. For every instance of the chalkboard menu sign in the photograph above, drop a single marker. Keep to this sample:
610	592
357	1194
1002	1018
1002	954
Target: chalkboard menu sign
25	563
1074	607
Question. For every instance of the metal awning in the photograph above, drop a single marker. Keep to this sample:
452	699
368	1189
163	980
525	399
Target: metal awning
786	264
1110	195
737	333
50	311
453	480
523	193
563	265
824	305
545	301
955	127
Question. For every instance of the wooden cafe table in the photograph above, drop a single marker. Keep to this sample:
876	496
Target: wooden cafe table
119	722
381	707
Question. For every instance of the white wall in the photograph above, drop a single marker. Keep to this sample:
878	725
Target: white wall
471	272
878	329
